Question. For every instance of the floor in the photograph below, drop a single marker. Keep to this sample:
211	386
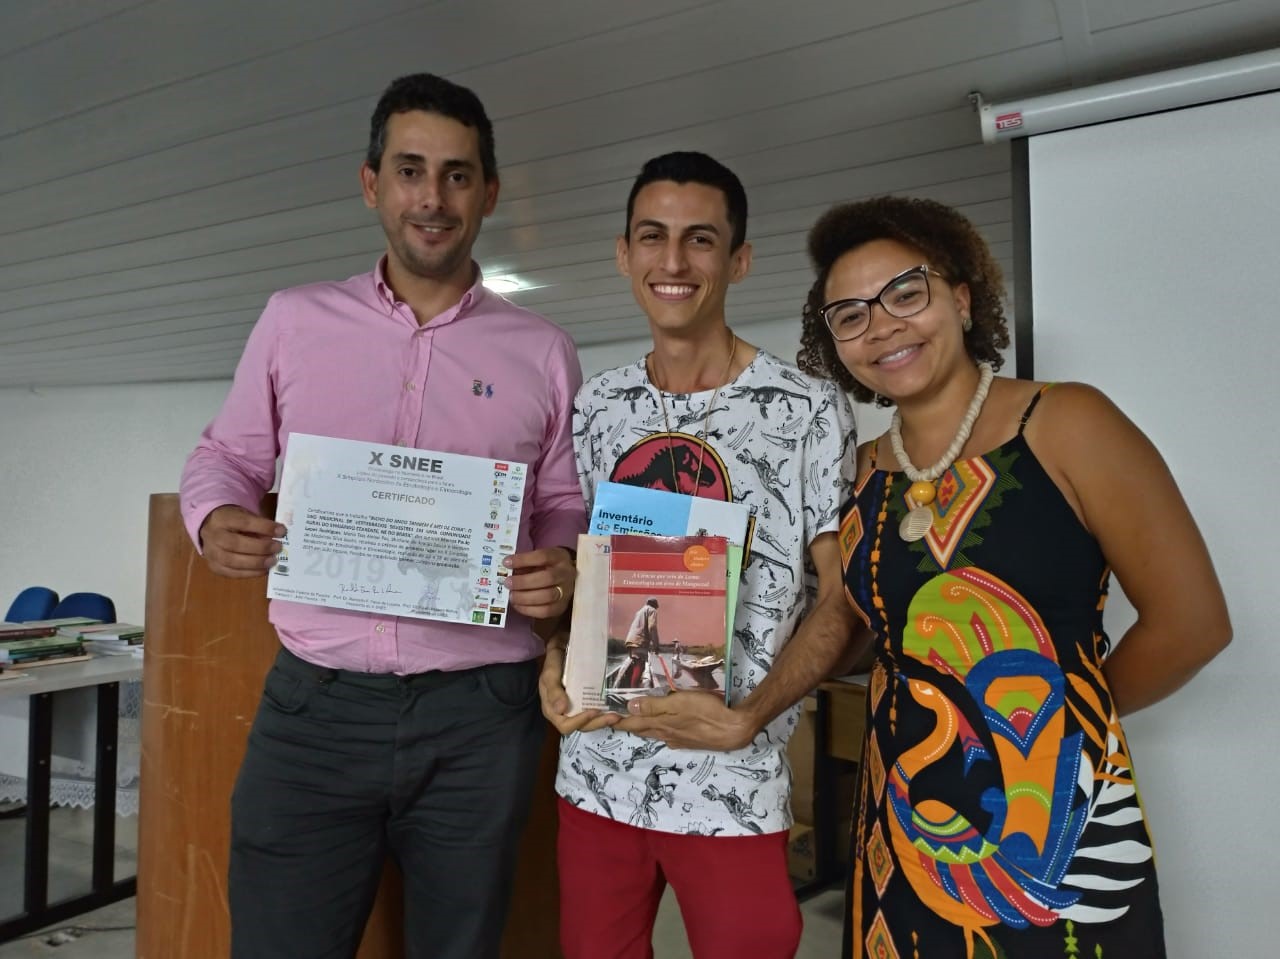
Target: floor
108	933
823	927
104	934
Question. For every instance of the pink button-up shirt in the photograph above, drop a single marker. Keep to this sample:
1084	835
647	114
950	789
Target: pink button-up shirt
484	378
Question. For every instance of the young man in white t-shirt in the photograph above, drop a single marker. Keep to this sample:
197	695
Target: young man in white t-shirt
685	789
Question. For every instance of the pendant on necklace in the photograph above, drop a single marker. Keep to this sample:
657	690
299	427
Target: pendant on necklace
922	492
916	523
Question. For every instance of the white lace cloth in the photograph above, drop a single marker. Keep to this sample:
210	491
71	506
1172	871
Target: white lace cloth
73	766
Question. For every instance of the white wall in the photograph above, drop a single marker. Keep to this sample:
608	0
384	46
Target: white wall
77	466
1154	252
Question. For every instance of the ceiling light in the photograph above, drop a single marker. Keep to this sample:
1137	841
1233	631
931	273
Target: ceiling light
503	284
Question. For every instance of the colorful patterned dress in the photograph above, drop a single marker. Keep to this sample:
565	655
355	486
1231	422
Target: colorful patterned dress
997	812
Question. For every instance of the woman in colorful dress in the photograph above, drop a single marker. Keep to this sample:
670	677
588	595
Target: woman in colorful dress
997	811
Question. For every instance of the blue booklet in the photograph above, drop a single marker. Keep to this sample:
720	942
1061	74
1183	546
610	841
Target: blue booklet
620	508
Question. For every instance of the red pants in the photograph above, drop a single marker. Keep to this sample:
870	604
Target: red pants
734	891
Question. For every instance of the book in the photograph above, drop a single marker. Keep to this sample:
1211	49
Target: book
620	508
111	647
43	656
587	656
667	609
648	618
51	661
120	632
22	651
34	644
10	631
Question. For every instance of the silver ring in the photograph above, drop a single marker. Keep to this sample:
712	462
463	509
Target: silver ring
559	592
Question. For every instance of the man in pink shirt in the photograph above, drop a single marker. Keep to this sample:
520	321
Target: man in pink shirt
378	734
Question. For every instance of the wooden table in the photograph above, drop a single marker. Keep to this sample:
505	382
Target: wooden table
105	673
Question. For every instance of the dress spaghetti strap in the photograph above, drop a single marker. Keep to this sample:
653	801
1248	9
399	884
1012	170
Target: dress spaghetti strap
1026	414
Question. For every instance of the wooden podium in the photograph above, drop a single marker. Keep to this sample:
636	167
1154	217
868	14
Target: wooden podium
208	648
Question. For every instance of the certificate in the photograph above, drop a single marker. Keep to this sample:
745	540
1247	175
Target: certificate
397	531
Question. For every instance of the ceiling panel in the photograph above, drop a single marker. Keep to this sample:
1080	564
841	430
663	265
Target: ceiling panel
194	39
28	24
1207	32
449	36
1105	15
167	172
169	163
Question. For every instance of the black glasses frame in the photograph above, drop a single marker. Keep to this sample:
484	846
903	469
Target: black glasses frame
923	269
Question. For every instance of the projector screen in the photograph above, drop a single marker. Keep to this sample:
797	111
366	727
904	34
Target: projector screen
1154	262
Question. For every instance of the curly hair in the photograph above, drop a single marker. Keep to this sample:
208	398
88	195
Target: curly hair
948	242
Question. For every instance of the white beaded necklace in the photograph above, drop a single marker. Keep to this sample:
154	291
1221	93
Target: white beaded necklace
923	489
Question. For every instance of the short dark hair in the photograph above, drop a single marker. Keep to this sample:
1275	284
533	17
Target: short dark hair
942	236
686	166
431	94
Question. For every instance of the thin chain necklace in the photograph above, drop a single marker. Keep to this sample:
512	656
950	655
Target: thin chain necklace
923	489
706	420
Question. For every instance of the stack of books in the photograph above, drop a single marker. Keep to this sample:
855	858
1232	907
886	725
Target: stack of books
36	644
112	639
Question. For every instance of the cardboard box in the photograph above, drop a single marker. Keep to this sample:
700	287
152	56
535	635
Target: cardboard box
843	836
847	722
801	855
800	756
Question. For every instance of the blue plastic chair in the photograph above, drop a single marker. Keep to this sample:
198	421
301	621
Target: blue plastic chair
34	602
92	605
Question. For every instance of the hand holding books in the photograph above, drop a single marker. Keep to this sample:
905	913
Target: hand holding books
690	720
556	705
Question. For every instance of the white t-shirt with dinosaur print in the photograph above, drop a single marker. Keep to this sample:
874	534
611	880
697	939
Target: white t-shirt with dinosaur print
781	442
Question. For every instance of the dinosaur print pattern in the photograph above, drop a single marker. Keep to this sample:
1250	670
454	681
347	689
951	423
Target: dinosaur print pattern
770	478
632	395
777	441
769	396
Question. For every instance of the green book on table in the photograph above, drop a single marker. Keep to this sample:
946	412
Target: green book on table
116	632
19	651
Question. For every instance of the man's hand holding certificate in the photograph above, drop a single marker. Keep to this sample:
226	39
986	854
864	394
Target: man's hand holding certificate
399	531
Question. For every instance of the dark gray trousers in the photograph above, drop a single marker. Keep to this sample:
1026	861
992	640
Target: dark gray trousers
343	768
